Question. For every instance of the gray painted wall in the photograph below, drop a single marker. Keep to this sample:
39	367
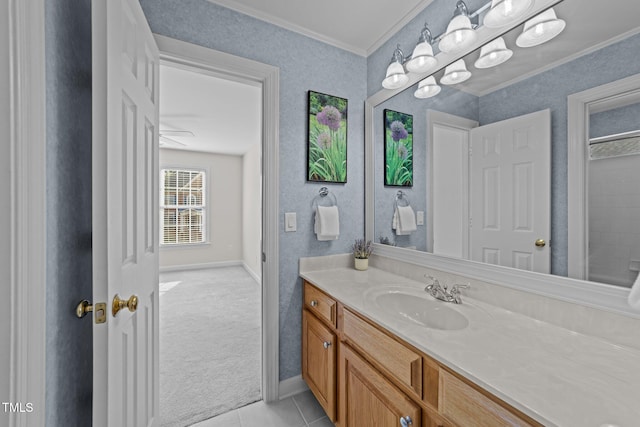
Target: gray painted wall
5	211
304	64
68	110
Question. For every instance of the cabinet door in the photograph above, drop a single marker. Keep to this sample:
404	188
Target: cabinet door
367	399
319	362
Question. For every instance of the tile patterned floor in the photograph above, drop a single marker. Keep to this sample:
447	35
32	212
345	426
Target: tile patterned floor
301	410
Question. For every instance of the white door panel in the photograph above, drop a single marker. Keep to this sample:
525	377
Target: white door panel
510	192
125	197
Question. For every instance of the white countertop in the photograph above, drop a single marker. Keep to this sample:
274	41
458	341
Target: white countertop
556	376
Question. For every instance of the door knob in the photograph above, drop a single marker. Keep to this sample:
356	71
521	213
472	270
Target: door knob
326	344
119	304
406	421
540	243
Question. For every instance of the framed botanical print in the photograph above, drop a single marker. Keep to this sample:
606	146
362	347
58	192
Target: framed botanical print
327	138
398	149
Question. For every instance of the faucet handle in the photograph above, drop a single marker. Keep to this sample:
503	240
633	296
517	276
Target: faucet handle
434	281
456	288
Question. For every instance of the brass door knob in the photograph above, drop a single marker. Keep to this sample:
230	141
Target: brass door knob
540	243
119	304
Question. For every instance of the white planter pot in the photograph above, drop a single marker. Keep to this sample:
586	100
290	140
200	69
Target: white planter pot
361	263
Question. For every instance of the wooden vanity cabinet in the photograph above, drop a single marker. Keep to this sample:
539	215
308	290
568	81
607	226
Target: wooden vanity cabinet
365	376
319	361
368	399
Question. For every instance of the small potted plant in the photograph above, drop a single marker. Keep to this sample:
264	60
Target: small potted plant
361	251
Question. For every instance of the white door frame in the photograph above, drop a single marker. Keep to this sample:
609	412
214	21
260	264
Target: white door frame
579	107
27	152
240	69
449	120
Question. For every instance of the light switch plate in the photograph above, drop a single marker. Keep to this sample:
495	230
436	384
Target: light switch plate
290	221
420	218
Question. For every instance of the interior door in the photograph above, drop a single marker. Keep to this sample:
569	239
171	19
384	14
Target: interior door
511	192
125	219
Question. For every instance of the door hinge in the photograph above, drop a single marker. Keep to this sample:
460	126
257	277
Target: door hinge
264	257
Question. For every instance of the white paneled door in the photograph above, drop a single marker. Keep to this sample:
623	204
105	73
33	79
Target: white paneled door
510	192
125	219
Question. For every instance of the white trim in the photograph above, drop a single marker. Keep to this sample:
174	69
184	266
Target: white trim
185	267
27	139
252	273
217	63
449	120
287	25
579	107
398	26
292	386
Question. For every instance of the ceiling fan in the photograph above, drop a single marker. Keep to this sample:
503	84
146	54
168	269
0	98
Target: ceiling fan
166	142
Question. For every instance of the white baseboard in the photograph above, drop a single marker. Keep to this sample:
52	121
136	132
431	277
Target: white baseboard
292	386
171	268
252	273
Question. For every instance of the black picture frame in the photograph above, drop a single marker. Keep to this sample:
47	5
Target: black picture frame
398	149
326	138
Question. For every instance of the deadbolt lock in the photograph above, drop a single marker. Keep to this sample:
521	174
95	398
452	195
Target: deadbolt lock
99	310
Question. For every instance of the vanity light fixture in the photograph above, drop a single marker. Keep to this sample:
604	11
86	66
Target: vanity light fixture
455	73
460	32
505	12
422	58
493	53
427	88
395	77
540	29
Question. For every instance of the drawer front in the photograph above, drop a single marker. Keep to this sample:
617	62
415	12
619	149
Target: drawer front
466	406
320	304
391	356
368	398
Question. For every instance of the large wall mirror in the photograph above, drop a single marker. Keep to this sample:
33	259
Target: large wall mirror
517	113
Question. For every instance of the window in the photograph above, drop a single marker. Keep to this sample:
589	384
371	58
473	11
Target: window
182	213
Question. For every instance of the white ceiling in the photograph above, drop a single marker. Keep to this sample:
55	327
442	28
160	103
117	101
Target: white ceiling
224	116
359	26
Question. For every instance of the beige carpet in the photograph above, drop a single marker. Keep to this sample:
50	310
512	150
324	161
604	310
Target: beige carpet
209	343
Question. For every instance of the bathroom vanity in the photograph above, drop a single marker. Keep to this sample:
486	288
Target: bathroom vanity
370	353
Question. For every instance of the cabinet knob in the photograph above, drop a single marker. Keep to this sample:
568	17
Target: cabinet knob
406	421
326	344
313	303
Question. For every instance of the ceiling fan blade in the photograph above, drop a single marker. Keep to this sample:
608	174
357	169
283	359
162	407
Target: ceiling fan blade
168	141
176	133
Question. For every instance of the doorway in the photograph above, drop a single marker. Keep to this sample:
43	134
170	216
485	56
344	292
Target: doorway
210	239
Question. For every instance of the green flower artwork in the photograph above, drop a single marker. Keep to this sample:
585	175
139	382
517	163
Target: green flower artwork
398	149
327	139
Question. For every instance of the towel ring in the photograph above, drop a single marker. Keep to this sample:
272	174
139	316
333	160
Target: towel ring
401	198
324	196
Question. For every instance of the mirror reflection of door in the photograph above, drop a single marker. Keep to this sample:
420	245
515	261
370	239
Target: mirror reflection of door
507	193
614	195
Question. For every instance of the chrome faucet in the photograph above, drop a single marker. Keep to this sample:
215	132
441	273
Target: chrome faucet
442	293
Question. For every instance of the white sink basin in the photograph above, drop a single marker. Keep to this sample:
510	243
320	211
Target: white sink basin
418	308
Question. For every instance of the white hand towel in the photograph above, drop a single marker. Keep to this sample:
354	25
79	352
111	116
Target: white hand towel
406	220
394	222
327	224
634	295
